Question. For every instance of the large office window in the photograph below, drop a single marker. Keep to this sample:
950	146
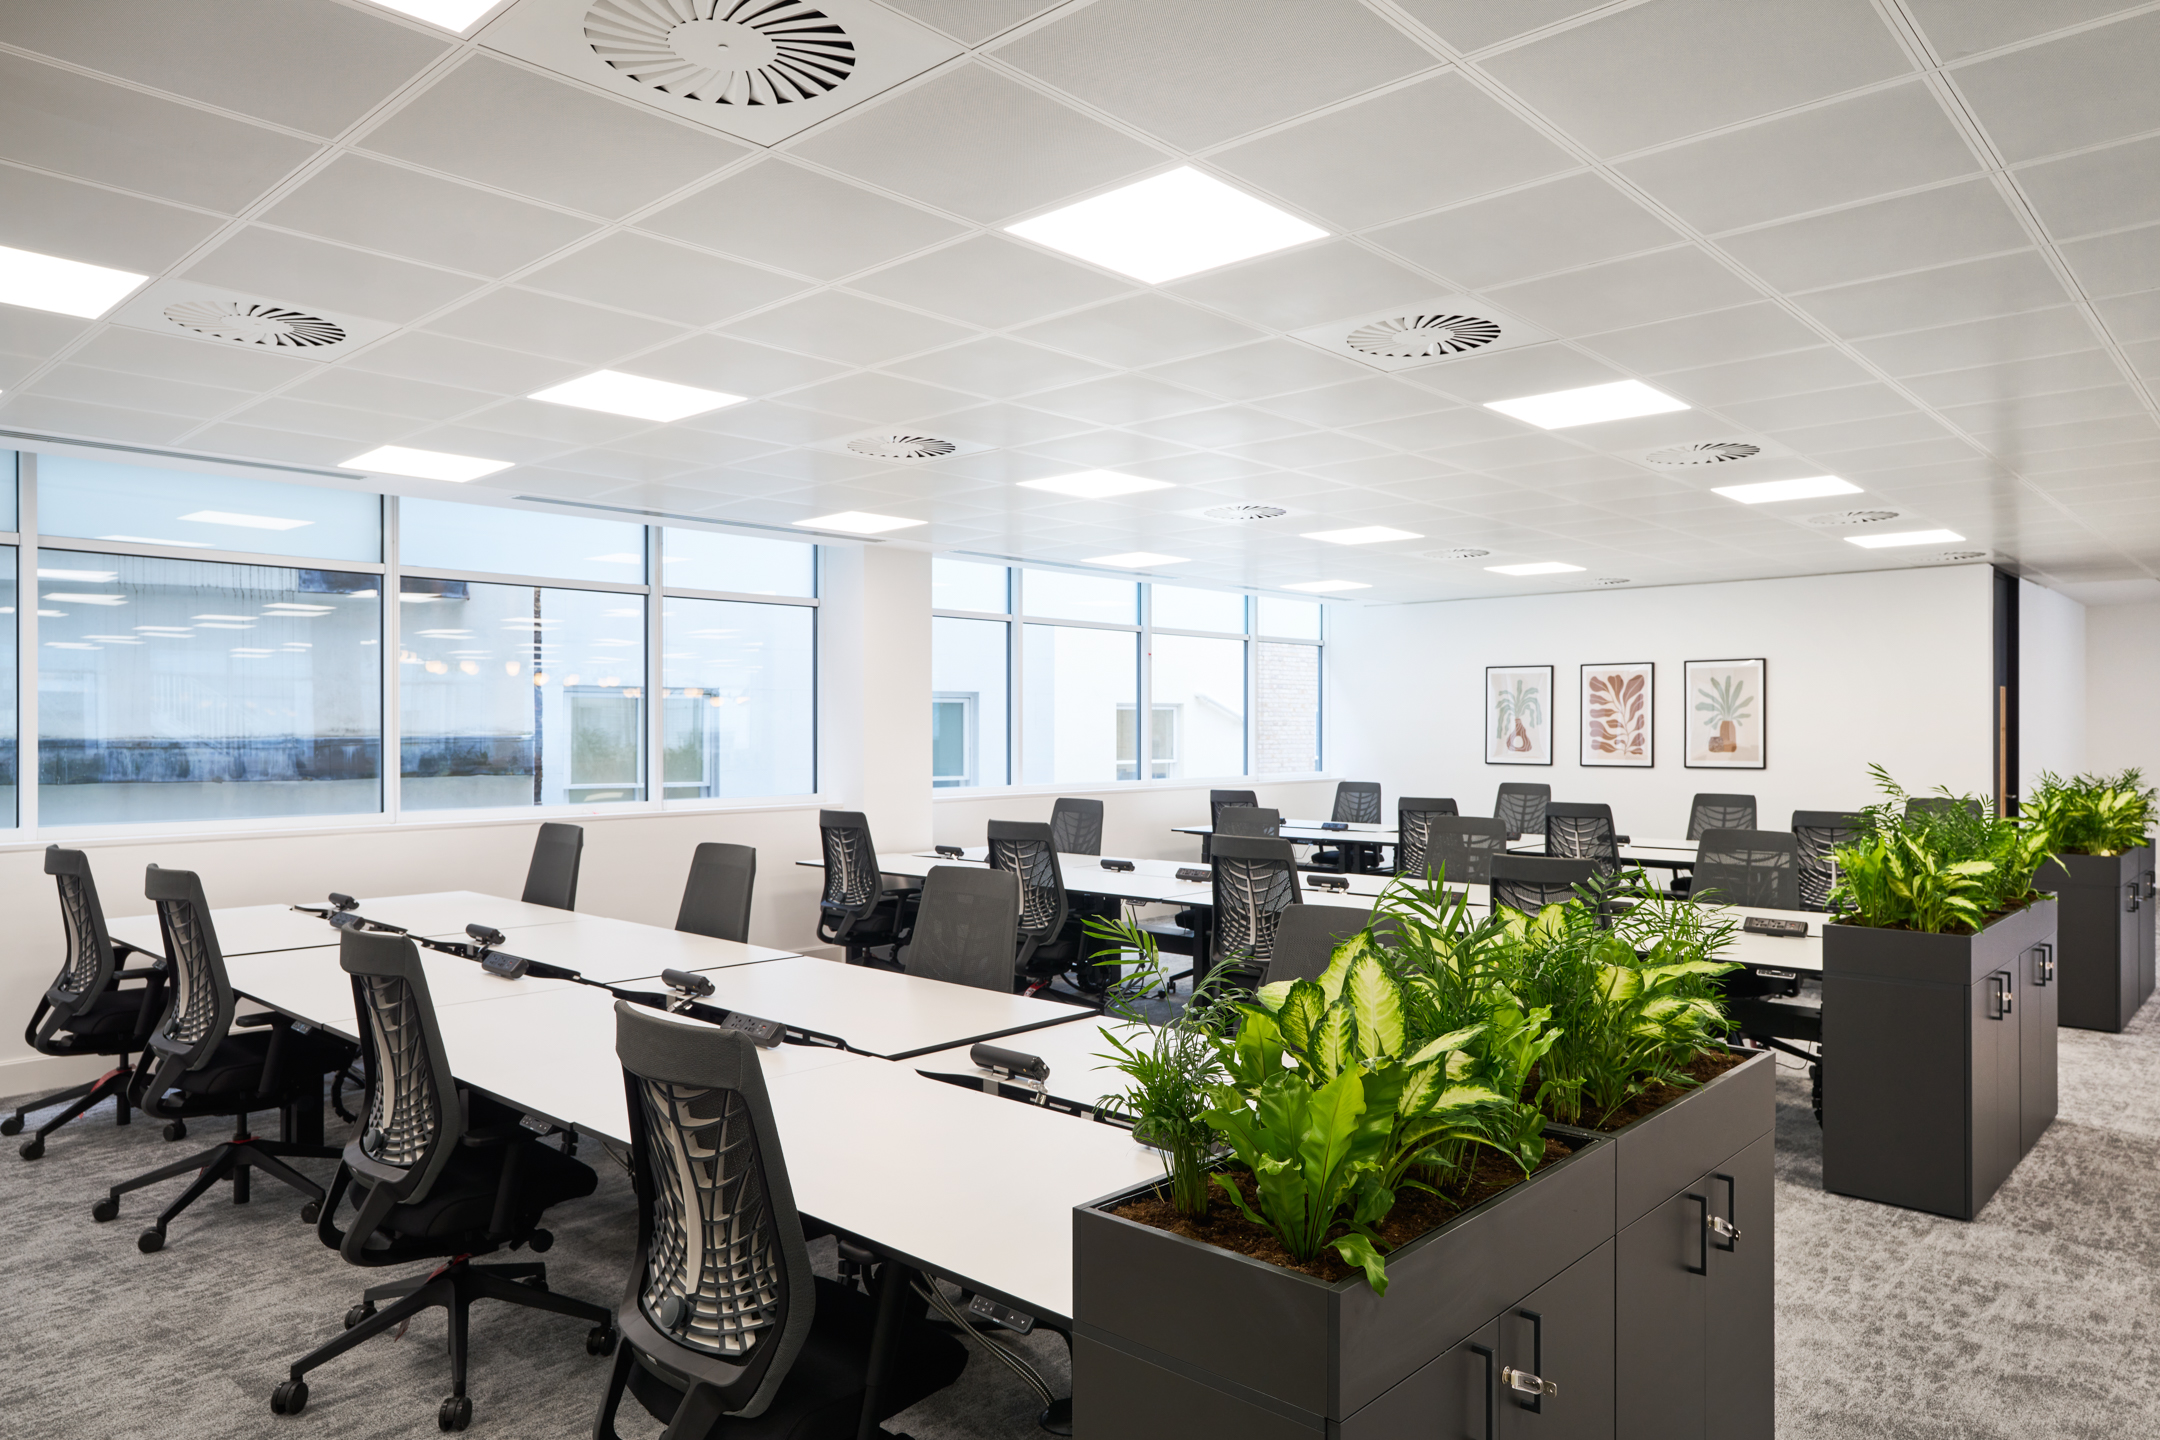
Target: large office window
1286	687
741	683
184	510
970	662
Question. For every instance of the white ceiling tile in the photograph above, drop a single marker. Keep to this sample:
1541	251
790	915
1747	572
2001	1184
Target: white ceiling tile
2017	418
2144	357
488	444
1957	347
1435	432
563	329
1362	402
671	442
1623	293
417	355
1911	232
40	332
1872	459
252	442
53	216
1006	467
1273	487
2040	376
2117	264
979	145
1854	402
1973	290
1197	468
138	392
201	361
1253	372
504	125
636	272
973	21
1297	451
1655	72
2099	190
1107	450
822	466
1004	425
1146	329
2135	452
1882	430
302	272
564	424
1119	400
849	328
1383	469
1532	370
619	465
999	367
796	219
1514	450
1790	374
2083	89
1224	426
1301	56
770	421
360	201
364	429
1325	281
1576	220
1957	28
989	280
735	367
97	422
1350	168
1741	333
1474	24
2081	435
877	399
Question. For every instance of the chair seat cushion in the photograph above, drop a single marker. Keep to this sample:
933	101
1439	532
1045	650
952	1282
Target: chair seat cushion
235	1066
462	1200
821	1398
111	1017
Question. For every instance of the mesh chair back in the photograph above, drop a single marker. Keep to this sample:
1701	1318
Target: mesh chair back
1817	834
1582	832
1025	849
721	1289
552	877
1255	881
1521	808
415	1118
1252	821
1940	805
1463	847
1306	937
87	968
1076	827
967	928
1219	801
200	1010
1357	801
716	899
1529	883
1413	823
851	873
1720	812
1748	867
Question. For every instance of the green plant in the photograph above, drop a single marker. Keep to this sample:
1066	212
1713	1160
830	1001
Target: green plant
2094	814
1941	869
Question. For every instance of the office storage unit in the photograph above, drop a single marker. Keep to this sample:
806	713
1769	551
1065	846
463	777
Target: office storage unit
1938	1061
2105	952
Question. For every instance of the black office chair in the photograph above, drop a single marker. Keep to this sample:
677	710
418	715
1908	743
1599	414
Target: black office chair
857	911
1255	880
1306	937
1076	827
716	899
551	879
1254	822
1357	802
437	1173
197	1067
1051	942
1413	827
1529	883
1582	832
1748	867
967	925
1720	812
1219	801
85	1011
727	1335
1521	808
1462	847
1817	834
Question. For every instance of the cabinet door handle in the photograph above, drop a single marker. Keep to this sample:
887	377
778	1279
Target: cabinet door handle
2043	964
1531	1382
1998	996
2131	903
1488	1354
1724	1227
2151	889
1702	1236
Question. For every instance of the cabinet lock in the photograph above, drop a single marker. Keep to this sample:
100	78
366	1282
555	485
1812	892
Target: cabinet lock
1529	1384
1724	1229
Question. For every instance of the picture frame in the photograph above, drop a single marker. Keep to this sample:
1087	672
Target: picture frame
1518	714
1726	709
1618	715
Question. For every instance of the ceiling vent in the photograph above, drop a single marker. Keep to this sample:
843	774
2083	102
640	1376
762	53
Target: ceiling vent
1612	580
245	323
1403	337
1245	512
1466	552
1708	452
1852	517
902	447
759	70
1957	556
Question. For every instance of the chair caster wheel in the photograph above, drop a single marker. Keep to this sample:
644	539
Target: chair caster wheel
106	1209
455	1414
289	1398
600	1340
32	1148
359	1313
150	1241
11	1126
541	1242
175	1130
310	1212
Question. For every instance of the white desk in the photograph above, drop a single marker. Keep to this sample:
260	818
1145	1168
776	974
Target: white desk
1078	1073
615	951
1777	952
253	929
309	985
1308	832
1149	882
878	1011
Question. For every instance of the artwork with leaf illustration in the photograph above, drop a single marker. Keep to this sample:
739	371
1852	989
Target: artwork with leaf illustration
1727	714
1518	714
1618	702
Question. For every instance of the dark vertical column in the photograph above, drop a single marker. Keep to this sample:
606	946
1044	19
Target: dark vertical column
2004	722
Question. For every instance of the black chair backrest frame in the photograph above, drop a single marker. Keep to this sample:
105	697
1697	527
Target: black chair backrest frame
1520	806
1529	883
716	897
199	1011
1219	801
1582	832
552	877
87	971
1305	939
1251	821
1462	847
1358	802
1720	812
1818	833
852	884
415	1117
1254	881
1025	848
967	927
1076	826
1413	828
1748	867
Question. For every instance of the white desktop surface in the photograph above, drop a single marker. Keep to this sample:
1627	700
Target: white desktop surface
1308	832
1073	1053
253	929
310	985
879	1011
1149	882
613	951
1777	952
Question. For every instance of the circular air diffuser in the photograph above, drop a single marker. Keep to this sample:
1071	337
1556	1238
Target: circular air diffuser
1422	337
902	447
248	324
1958	555
1467	552
723	52
1852	517
1244	512
1708	452
1612	580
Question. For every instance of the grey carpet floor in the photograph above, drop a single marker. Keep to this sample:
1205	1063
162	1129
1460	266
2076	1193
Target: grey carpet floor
2038	1318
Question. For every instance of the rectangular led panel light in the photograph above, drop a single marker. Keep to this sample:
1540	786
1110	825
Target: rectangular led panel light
1094	484
65	287
615	393
1904	537
1767	491
424	464
1135	560
457	15
858	522
1171	225
1362	535
1324	587
1621	400
1539	567
246	522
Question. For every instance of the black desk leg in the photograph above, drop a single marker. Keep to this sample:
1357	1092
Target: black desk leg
893	1282
301	1122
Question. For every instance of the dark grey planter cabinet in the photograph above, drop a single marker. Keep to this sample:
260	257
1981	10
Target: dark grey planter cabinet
1938	1059
2105	950
1173	1338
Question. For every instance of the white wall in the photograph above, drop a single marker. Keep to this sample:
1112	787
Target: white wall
2051	684
1894	666
2122	667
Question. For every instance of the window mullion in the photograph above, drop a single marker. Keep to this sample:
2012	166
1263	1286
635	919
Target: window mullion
26	631
655	676
390	640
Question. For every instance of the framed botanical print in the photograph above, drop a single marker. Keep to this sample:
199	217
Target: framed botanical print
1727	715
1618	702
1518	714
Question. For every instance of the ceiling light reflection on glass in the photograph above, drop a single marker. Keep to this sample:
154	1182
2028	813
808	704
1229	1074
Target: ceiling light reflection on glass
1095	485
1168	226
245	522
1768	492
1561	409
1327	587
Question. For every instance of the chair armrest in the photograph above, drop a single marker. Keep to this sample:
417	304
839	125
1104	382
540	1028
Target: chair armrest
123	948
256	1022
148	972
